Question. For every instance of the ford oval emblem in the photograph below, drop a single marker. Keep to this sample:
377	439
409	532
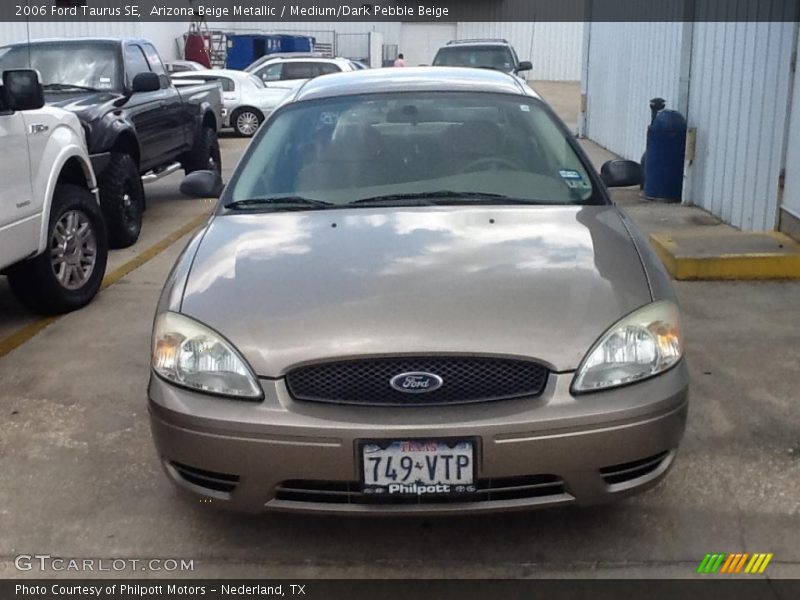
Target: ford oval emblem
416	382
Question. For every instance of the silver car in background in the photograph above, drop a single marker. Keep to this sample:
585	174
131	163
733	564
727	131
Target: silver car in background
247	103
415	296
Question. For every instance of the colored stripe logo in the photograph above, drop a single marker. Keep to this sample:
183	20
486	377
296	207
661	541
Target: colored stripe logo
740	562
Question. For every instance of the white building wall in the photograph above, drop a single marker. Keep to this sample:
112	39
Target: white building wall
628	64
738	101
791	194
731	80
163	34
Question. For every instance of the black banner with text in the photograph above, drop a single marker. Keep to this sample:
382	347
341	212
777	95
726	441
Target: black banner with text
227	11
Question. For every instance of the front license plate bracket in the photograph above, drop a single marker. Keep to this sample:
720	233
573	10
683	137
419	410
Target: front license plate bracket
414	467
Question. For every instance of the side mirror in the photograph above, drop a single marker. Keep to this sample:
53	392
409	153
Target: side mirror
202	184
525	65
23	90
622	173
146	82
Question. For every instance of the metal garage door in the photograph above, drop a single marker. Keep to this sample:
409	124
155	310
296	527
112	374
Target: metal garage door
420	41
791	191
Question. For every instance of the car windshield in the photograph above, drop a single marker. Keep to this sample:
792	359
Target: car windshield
478	146
489	57
67	67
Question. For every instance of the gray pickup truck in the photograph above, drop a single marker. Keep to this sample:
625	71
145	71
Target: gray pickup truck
138	126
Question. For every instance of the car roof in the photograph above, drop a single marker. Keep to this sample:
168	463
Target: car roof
410	79
327	59
214	73
460	43
78	40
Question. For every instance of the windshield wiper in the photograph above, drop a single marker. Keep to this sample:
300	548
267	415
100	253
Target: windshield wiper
446	197
281	203
60	87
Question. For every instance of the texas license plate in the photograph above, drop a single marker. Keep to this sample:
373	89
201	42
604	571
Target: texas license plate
417	467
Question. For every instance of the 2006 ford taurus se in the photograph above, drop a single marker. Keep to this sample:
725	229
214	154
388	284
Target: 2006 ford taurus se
416	296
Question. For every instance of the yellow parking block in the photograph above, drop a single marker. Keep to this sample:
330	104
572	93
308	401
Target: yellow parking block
727	254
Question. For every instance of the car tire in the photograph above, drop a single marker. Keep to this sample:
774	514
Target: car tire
205	156
246	121
68	274
122	200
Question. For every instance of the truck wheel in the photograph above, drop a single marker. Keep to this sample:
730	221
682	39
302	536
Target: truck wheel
68	274
246	121
122	200
205	156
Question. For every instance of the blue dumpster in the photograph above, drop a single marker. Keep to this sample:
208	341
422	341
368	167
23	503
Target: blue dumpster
666	148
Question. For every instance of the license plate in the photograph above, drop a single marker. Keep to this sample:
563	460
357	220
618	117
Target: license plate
417	467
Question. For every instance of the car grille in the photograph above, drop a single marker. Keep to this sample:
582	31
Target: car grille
218	482
625	472
464	380
488	490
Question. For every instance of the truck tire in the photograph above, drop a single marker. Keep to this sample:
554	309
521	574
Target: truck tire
122	200
205	156
246	121
68	274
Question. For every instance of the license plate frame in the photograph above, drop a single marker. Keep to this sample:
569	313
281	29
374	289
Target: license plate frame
417	487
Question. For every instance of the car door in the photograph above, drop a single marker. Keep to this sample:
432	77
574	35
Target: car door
16	192
173	135
146	111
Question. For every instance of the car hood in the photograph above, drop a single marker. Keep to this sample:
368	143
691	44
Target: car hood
293	287
88	106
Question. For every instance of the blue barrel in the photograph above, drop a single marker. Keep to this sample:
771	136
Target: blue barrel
666	148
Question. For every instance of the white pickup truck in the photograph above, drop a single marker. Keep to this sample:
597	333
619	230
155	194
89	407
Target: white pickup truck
53	241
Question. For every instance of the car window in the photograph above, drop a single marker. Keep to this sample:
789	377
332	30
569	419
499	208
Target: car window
349	148
272	72
227	84
135	62
327	68
299	70
156	66
490	57
94	65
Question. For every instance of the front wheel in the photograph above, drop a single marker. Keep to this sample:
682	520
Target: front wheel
246	121
205	156
68	274
122	200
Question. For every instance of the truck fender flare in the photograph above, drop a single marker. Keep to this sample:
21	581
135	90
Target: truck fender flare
62	147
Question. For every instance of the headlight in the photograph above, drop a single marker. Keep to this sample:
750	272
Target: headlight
645	343
189	354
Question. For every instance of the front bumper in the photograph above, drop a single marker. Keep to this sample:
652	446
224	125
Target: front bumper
552	450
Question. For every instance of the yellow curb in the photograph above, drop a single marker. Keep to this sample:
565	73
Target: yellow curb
25	333
728	265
